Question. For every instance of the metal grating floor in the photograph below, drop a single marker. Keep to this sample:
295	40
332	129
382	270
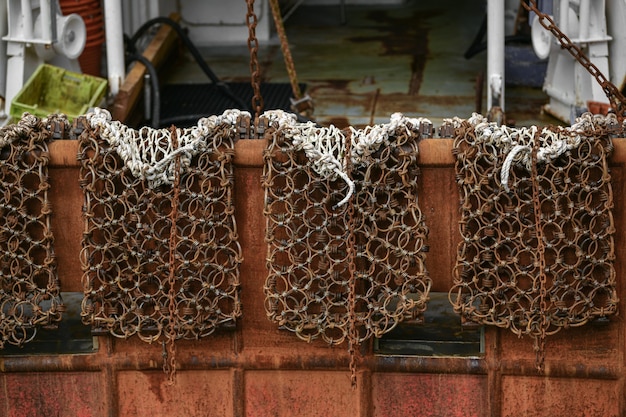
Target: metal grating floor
184	104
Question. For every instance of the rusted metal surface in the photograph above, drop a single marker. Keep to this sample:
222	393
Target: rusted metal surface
194	393
73	393
292	393
422	394
257	369
533	396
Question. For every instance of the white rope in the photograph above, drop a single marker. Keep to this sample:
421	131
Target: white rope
368	140
23	127
148	153
517	143
326	146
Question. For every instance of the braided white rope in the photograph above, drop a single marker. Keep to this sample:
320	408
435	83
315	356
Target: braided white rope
368	140
517	143
10	132
145	152
326	146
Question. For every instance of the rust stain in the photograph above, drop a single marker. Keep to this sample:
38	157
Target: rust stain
155	380
339	122
406	35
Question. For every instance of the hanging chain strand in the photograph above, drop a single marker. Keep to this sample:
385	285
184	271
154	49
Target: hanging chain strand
353	338
255	75
616	98
300	104
169	364
540	339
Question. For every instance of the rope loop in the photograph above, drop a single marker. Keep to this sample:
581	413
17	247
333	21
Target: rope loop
149	153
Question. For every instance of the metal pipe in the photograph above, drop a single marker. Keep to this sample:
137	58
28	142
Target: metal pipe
564	17
585	8
495	54
46	21
27	20
4	26
114	44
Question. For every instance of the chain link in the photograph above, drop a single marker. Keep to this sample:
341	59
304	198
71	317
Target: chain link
169	363
540	340
614	95
300	104
353	337
255	72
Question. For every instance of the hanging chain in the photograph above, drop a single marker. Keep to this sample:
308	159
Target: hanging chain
616	98
300	104
253	46
169	363
540	339
353	338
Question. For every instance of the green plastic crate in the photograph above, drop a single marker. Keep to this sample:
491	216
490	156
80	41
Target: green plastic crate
56	90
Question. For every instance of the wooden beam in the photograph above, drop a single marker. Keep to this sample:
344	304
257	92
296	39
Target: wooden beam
157	52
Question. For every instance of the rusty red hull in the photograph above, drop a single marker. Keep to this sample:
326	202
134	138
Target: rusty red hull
259	370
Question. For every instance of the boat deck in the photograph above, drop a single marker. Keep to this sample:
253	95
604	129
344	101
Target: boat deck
406	58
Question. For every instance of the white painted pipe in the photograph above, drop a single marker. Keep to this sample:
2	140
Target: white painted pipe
495	53
153	9
4	27
564	17
113	25
585	9
27	20
46	21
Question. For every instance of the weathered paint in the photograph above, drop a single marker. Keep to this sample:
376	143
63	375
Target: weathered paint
421	395
149	394
52	394
536	396
299	393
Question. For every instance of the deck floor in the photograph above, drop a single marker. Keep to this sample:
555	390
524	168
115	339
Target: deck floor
406	58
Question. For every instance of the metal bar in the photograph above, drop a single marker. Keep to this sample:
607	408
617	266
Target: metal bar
435	152
113	22
495	54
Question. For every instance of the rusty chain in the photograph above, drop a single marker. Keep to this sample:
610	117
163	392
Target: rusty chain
537	247
29	288
133	223
614	95
353	335
300	104
169	362
255	71
311	251
540	338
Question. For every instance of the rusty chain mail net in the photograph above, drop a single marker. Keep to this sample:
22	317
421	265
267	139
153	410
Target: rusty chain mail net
141	276
29	286
537	247
309	229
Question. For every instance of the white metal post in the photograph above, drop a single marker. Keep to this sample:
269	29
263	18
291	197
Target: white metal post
114	44
495	54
